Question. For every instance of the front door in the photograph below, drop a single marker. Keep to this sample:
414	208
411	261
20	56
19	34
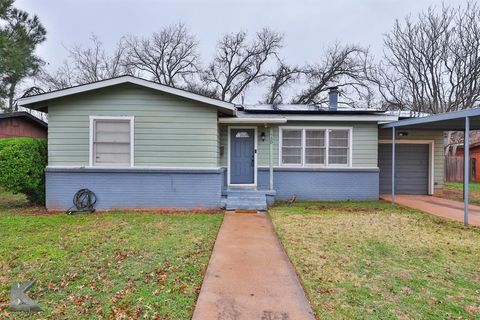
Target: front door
242	156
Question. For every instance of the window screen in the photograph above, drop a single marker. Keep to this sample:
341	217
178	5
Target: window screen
111	142
292	147
338	147
315	147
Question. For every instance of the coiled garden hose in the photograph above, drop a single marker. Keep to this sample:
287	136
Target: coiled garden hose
83	201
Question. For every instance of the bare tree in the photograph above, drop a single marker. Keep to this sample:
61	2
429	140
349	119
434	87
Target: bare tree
169	57
61	78
85	65
281	79
342	66
432	63
240	62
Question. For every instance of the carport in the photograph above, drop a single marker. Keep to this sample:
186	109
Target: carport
464	120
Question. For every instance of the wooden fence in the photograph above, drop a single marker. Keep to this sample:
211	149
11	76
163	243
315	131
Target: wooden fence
454	168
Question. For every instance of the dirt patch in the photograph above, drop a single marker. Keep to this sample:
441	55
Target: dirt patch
342	209
30	211
455	194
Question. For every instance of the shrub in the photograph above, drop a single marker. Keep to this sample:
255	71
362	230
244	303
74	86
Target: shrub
22	167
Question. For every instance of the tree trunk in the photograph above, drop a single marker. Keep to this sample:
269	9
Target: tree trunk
11	96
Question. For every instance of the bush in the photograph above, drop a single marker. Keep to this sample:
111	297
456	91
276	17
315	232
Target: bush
22	167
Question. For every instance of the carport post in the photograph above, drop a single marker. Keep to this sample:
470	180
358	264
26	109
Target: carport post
270	169
466	175
393	164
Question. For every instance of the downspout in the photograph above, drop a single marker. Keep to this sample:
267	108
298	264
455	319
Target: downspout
466	174
393	164
271	157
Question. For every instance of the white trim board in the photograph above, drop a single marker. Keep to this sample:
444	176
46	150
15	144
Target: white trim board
326	128
26	102
91	133
237	120
255	171
431	158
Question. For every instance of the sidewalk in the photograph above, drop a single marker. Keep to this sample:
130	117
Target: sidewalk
249	275
441	207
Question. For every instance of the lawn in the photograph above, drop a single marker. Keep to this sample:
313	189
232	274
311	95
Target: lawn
123	265
374	260
454	191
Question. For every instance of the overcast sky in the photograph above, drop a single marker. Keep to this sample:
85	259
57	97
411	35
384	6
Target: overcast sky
308	25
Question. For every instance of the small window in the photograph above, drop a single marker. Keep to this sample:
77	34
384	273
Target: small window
292	147
242	134
111	142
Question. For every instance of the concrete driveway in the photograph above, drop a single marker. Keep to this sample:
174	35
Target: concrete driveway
250	276
446	208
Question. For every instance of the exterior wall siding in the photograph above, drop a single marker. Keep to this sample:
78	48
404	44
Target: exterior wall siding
364	149
439	158
326	184
19	127
136	188
169	131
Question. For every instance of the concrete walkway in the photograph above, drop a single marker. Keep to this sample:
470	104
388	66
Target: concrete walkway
446	208
250	276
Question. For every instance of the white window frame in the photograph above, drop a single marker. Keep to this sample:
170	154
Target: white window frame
327	146
91	135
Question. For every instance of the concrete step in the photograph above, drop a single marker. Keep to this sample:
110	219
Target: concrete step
245	199
247	207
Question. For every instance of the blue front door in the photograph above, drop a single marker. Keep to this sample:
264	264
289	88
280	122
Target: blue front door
242	156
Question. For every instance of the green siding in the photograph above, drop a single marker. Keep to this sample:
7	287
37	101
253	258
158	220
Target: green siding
169	131
438	153
364	142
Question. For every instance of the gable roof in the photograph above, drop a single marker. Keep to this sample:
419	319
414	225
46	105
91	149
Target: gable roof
24	114
35	102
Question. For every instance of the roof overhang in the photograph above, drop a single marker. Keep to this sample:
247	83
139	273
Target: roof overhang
24	115
236	120
450	121
246	117
343	117
40	101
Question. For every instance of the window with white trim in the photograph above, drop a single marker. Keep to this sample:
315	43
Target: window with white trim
292	147
315	147
112	145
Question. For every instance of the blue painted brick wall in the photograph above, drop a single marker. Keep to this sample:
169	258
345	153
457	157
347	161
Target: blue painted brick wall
322	184
136	188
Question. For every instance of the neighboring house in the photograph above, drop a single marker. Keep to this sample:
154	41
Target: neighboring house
139	144
474	158
22	124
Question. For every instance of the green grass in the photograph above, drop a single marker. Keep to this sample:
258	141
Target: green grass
454	191
121	265
374	260
473	186
10	200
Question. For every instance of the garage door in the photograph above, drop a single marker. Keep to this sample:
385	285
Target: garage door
411	168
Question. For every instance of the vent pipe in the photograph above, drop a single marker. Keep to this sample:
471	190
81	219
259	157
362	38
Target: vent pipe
333	98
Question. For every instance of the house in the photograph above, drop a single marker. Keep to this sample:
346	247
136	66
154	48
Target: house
457	175
139	144
22	124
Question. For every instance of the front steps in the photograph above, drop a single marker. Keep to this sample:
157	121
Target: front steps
245	199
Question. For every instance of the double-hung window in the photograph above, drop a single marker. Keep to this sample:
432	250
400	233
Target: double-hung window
111	141
310	147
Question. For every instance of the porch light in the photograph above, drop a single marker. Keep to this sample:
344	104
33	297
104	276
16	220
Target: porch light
403	134
262	135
